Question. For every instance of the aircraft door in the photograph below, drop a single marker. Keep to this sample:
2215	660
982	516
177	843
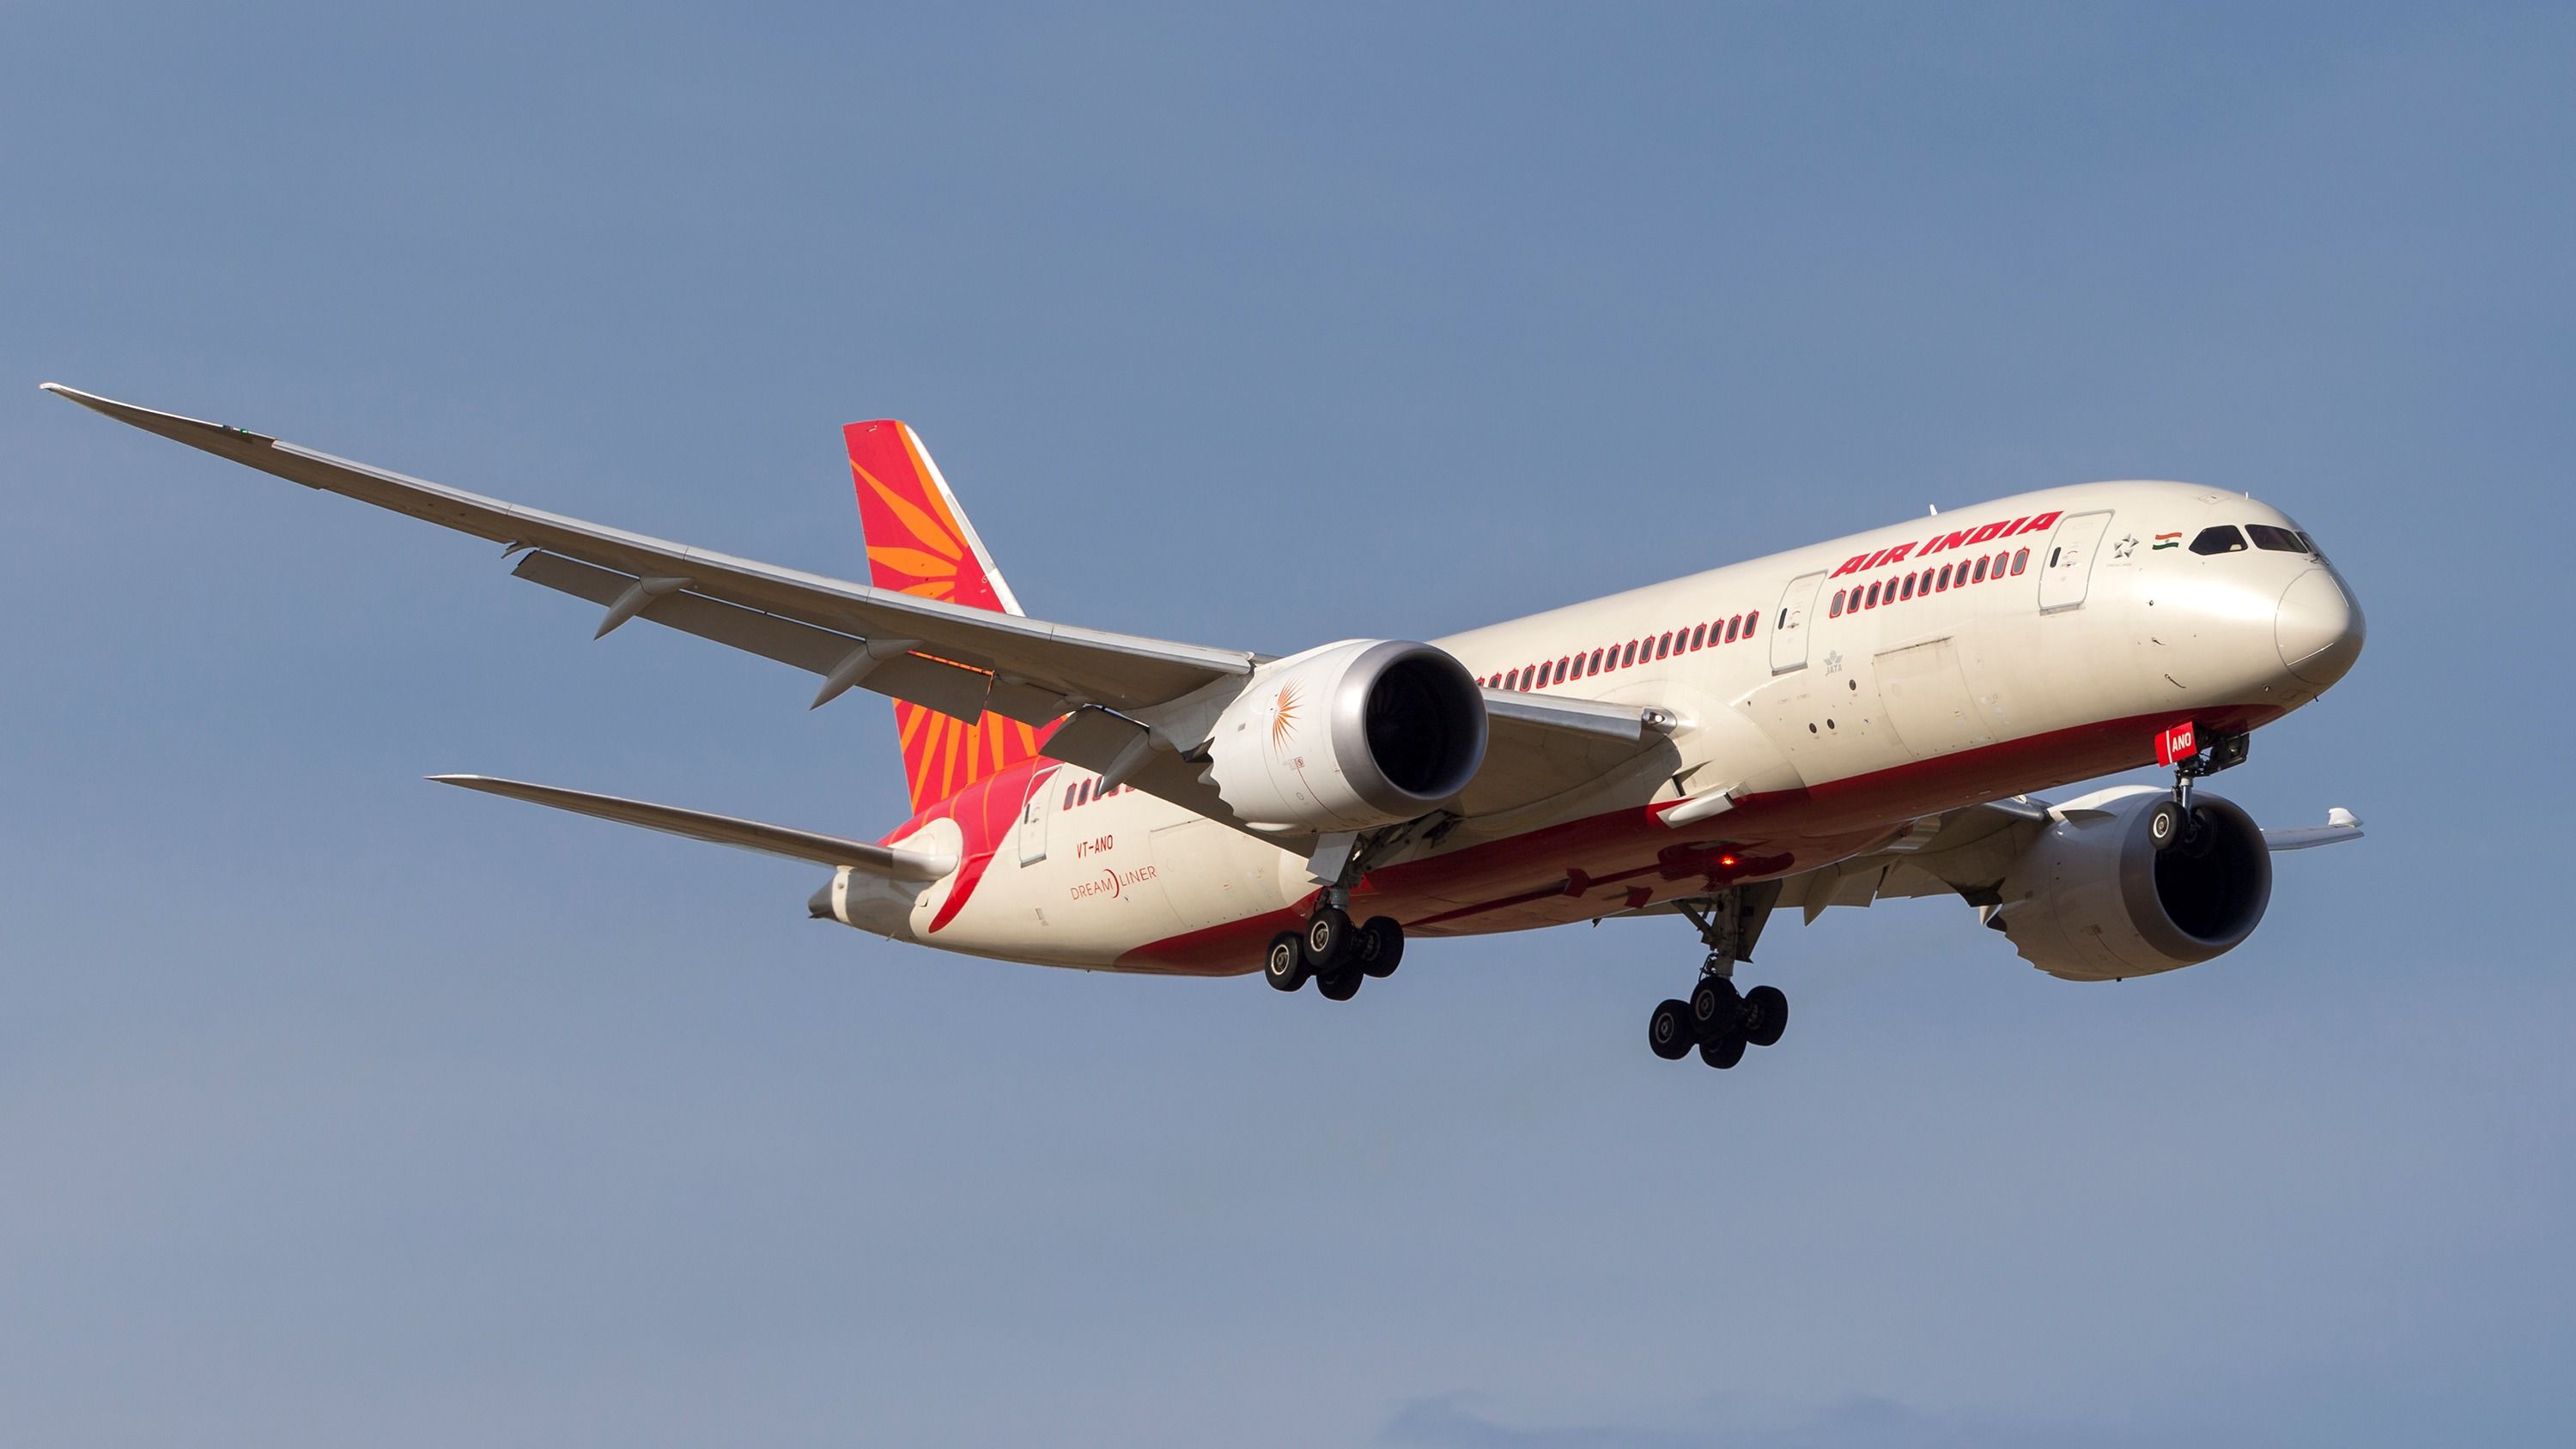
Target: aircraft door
1789	629
2068	570
1033	817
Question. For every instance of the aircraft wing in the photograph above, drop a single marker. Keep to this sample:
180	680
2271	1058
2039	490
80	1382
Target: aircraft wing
1118	670
1966	852
947	657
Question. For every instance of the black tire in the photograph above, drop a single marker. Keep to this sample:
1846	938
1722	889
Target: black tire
2166	825
1327	939
1285	965
1723	1051
2199	834
1716	1009
1379	946
1768	1010
1340	985
1670	1033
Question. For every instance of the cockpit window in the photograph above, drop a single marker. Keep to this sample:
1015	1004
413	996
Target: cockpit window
2222	539
2311	544
2278	540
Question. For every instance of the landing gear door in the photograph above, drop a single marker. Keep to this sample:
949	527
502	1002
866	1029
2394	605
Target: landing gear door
2068	570
1789	626
1033	817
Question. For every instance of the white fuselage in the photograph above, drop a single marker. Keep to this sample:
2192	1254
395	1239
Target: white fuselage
1882	677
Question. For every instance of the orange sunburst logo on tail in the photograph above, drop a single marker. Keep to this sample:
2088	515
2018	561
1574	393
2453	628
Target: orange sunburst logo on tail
919	543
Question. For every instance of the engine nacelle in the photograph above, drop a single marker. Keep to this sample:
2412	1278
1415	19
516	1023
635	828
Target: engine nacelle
1349	736
2094	900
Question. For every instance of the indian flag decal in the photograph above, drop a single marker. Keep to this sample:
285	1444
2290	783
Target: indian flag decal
2167	540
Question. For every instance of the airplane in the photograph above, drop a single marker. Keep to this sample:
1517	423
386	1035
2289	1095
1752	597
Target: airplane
1842	723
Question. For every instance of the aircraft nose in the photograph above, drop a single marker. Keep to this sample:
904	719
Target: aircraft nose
2319	628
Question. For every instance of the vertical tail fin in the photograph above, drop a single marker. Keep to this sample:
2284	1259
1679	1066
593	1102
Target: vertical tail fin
919	542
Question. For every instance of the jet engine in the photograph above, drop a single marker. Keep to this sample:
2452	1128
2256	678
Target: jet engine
1350	736
2094	900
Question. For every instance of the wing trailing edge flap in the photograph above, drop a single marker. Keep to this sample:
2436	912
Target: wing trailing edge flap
951	689
858	855
1965	854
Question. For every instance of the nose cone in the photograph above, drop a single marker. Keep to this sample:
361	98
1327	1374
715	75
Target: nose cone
2319	627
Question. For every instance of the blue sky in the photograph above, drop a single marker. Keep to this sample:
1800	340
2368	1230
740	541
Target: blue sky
335	1106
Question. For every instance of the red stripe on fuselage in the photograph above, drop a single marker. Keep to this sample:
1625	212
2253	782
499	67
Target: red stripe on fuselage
1520	882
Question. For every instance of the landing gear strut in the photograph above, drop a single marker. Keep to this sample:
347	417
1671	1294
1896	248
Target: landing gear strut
2174	824
1718	1019
1337	953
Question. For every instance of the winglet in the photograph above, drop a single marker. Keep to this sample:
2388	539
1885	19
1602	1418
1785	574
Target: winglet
152	420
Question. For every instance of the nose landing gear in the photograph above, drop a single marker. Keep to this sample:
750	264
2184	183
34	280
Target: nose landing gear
1718	1019
2174	824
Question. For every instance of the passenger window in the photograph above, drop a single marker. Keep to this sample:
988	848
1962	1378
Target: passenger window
1068	795
1699	636
2222	538
2021	558
1906	589
1836	611
1873	596
1664	646
2278	540
1596	663
1512	680
1754	621
1944	583
1731	626
1630	656
1981	573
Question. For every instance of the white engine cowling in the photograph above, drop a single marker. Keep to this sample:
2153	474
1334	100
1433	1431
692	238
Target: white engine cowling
2094	900
1349	736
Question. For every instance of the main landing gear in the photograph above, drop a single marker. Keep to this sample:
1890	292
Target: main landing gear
1335	953
2174	824
1718	1020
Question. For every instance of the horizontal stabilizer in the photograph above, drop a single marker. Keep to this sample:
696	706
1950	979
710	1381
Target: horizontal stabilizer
858	855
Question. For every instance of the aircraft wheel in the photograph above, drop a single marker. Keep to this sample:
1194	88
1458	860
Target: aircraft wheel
1767	1011
2166	825
2199	836
1327	938
1286	963
1670	1031
1724	1051
1379	946
1340	985
1716	1010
